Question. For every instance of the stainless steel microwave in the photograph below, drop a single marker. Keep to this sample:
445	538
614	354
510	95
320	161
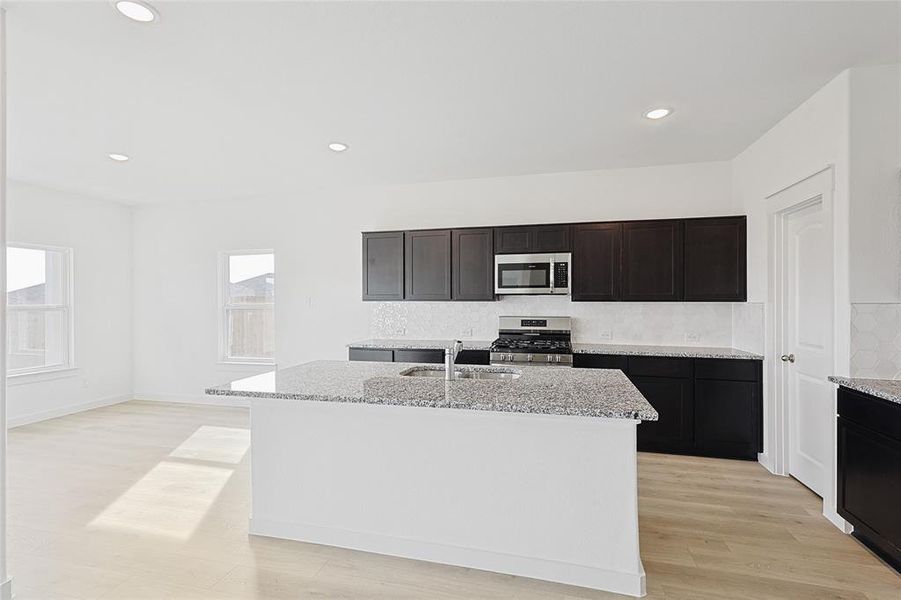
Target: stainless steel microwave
532	273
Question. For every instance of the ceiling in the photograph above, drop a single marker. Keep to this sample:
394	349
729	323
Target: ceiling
240	99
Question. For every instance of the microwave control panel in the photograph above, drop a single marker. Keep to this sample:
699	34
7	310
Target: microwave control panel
561	274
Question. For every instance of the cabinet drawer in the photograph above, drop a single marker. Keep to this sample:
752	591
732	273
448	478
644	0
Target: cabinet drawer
727	368
654	366
419	356
601	361
871	412
473	357
371	355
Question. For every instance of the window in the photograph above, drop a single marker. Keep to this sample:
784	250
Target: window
248	307
39	307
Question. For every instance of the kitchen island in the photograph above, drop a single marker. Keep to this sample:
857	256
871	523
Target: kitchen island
532	474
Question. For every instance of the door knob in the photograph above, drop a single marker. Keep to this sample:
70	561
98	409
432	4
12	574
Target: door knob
788	358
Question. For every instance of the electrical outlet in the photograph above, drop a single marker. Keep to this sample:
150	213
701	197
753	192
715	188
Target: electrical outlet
692	337
466	332
605	335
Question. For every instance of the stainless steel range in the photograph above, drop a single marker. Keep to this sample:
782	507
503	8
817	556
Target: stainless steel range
536	340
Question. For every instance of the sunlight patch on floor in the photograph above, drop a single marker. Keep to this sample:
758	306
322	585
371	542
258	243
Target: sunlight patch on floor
215	444
172	499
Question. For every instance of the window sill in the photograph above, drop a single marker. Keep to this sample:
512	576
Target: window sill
43	375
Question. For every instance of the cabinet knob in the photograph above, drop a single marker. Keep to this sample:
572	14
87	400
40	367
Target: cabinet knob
788	358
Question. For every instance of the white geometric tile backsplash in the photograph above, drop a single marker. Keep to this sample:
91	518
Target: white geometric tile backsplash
876	340
676	323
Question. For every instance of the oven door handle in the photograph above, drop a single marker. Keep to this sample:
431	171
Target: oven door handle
551	275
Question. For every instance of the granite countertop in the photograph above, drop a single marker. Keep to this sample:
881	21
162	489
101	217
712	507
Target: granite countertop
578	348
539	390
887	389
670	351
397	344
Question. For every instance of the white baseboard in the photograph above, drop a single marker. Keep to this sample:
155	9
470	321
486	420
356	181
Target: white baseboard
194	399
62	411
632	584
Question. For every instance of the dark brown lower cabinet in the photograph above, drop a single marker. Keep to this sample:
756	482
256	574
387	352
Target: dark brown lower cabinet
869	471
727	417
706	407
672	397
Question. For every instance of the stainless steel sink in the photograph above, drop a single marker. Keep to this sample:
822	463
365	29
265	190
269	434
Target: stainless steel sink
472	373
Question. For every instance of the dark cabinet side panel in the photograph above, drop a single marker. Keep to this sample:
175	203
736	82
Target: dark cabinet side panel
383	266
472	264
652	261
673	400
716	259
869	487
473	357
596	262
428	265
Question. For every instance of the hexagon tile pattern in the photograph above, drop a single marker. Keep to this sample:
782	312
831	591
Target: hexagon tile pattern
876	340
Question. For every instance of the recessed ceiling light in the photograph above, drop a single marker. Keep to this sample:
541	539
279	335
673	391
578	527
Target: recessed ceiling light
658	113
337	147
136	10
118	157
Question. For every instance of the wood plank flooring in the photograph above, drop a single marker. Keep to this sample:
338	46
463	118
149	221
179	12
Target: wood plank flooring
145	500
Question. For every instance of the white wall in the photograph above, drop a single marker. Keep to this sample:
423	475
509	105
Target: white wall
99	232
318	270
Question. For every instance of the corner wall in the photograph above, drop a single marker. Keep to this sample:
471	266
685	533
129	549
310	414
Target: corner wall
99	232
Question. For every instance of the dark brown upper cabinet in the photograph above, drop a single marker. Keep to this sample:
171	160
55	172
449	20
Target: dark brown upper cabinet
531	239
428	264
596	262
652	260
472	266
716	259
383	265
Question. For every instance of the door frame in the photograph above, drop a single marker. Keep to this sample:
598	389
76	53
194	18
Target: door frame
819	186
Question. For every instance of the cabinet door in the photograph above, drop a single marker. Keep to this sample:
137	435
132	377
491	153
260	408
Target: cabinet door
727	417
473	357
428	265
513	240
869	487
652	261
596	266
473	264
716	260
383	266
551	238
673	400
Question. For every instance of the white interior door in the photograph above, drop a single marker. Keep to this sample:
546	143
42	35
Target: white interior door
807	357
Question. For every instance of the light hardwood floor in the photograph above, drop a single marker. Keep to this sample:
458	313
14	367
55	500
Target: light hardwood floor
150	501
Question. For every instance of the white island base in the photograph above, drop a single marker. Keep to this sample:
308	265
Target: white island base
543	496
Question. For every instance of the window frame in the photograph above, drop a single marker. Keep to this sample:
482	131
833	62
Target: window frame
67	310
225	307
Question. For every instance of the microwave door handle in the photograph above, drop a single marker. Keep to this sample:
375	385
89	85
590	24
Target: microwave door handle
551	275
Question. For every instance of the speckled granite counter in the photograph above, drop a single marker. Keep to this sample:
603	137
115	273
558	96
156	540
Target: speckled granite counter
539	390
667	351
887	389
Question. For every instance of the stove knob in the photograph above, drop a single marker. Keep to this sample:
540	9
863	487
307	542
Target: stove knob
550	358
558	358
529	358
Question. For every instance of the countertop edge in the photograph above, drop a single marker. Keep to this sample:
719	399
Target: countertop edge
868	386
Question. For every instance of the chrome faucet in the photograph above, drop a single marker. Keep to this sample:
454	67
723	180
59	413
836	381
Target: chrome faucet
450	357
